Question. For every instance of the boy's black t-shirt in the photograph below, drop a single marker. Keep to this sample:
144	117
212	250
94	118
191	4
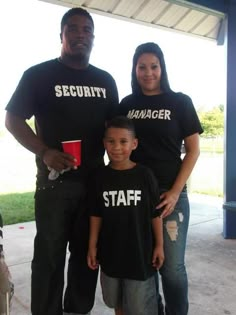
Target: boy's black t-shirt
161	122
126	201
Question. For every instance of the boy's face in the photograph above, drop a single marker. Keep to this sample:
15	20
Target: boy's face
119	144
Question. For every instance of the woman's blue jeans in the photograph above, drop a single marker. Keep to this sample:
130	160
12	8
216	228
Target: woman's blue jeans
173	271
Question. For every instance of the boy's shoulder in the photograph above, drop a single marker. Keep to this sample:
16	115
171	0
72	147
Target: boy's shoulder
146	173
141	169
99	171
144	169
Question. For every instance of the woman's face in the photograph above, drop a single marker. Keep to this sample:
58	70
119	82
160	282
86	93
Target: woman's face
148	73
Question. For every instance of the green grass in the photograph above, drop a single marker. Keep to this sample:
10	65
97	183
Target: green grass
207	178
211	192
16	207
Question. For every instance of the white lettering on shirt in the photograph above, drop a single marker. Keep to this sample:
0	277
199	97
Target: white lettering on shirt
116	198
149	114
79	91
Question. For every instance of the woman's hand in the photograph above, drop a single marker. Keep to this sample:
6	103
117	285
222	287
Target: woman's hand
168	202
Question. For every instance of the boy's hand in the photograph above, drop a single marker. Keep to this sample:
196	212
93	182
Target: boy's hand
158	257
92	258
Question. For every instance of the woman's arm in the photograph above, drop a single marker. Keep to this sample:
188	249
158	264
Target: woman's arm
170	197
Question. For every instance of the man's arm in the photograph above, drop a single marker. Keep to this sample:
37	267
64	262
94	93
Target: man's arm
18	127
55	159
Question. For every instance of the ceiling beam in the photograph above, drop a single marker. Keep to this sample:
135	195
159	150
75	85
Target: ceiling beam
217	7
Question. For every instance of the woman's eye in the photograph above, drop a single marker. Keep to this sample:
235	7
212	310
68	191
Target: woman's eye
154	67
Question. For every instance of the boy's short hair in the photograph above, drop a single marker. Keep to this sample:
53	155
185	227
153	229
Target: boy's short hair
121	122
72	12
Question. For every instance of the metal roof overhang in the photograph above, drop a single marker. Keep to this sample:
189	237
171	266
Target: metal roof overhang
196	18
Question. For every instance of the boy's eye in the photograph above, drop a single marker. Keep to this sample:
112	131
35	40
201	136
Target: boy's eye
110	141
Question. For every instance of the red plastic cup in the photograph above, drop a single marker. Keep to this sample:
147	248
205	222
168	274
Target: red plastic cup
73	147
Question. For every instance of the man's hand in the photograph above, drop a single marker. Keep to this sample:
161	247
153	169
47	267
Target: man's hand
58	160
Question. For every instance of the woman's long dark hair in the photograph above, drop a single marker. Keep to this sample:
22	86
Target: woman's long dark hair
156	50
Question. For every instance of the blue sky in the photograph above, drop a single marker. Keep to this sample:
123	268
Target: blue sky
30	34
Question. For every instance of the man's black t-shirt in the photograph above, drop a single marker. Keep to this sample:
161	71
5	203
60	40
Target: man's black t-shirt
161	122
126	201
68	104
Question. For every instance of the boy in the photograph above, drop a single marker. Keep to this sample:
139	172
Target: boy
125	228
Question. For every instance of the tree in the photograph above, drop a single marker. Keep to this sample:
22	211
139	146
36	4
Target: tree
213	121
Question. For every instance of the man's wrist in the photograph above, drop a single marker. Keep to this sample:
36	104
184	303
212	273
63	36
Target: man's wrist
42	153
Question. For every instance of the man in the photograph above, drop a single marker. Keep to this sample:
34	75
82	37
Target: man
70	99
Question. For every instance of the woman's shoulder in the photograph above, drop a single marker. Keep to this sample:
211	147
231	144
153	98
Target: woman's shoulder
128	98
180	96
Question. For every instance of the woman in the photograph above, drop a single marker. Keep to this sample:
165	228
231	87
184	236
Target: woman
163	121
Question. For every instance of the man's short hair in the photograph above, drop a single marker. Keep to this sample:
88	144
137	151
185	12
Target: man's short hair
72	12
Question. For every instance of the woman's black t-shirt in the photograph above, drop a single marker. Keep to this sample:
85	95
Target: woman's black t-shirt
161	122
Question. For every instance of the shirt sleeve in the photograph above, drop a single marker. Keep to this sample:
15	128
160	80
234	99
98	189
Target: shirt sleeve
154	194
93	197
114	99
122	109
22	102
190	122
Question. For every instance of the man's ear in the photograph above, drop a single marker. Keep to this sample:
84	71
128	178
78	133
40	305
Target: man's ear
61	37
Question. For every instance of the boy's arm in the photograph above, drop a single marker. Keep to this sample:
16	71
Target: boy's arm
95	226
158	251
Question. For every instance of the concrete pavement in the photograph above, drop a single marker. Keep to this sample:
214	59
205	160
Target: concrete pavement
210	261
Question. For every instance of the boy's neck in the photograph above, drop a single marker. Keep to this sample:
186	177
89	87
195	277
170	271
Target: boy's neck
122	166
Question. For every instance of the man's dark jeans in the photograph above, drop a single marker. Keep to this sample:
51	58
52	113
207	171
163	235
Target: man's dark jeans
61	219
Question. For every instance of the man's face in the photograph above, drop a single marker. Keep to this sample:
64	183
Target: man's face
77	37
